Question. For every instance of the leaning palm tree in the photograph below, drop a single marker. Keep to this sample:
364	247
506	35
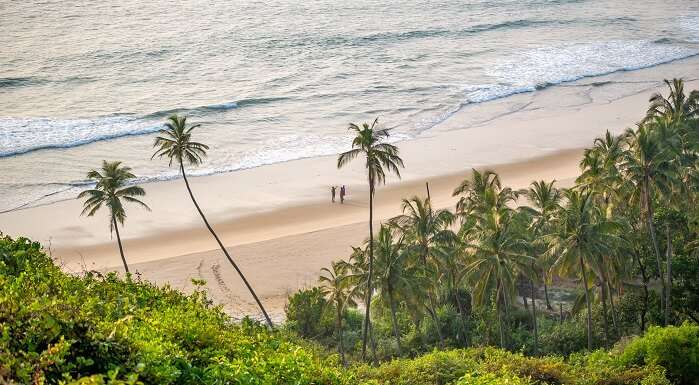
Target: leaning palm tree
379	156
581	234
110	189
175	142
338	291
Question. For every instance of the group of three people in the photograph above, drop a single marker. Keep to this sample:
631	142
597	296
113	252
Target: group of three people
343	193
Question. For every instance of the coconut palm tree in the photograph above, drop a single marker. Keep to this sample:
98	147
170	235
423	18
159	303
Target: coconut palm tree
175	143
110	189
581	234
335	285
545	201
380	157
451	257
501	254
424	228
678	107
647	165
393	276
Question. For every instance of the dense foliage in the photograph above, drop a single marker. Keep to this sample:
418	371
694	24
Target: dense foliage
59	328
543	270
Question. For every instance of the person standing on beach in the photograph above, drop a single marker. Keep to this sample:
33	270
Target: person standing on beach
342	194
332	192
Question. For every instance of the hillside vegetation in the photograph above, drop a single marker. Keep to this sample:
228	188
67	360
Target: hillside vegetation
94	329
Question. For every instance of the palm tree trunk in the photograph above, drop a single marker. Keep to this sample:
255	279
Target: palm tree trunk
432	309
587	301
534	322
605	323
644	277
497	310
121	249
611	303
367	311
651	228
394	321
220	244
374	358
501	330
546	295
340	345
668	292
462	312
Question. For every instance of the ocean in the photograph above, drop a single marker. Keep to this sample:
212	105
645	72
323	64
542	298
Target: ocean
270	82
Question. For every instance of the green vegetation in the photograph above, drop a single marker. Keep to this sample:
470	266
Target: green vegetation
93	329
626	234
619	250
97	329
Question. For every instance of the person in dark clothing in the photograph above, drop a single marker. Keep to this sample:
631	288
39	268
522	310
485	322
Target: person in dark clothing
342	194
332	192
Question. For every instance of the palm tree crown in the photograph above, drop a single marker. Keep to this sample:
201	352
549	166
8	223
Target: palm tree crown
175	142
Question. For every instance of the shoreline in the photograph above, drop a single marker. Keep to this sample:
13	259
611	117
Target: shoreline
278	220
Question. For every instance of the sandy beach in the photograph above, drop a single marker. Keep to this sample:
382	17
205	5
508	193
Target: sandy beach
278	220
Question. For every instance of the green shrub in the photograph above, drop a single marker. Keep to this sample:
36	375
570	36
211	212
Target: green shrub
676	348
436	368
492	379
102	329
309	314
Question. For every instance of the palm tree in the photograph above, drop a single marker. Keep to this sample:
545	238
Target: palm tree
392	275
581	234
175	142
500	256
379	156
545	200
677	107
336	288
451	257
646	164
110	189
424	228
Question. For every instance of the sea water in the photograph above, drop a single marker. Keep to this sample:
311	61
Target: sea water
82	81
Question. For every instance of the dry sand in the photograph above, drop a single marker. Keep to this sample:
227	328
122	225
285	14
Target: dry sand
279	224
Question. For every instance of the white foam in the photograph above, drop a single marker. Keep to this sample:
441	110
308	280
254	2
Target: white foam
20	135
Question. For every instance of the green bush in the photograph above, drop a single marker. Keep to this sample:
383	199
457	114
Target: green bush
436	368
676	348
309	314
101	329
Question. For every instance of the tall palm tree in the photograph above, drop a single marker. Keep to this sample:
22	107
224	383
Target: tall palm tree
424	228
581	234
110	189
337	290
379	158
175	142
646	164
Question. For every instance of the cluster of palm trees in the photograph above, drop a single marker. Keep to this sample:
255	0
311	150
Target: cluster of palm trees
593	233
112	186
